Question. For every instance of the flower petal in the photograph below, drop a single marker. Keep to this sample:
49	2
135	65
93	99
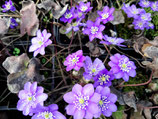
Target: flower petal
95	98
70	109
58	115
112	107
105	91
53	107
93	108
79	114
33	87
112	98
27	86
107	113
41	97
69	97
119	75
77	89
132	73
88	90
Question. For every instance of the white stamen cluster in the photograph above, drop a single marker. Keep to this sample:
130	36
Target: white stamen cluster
94	29
125	64
46	115
103	79
103	103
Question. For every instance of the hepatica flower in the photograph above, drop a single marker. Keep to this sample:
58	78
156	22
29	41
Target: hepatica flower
94	29
112	41
83	102
8	6
74	61
40	42
145	16
92	69
68	16
107	102
84	7
13	23
144	3
50	112
122	67
30	97
106	14
139	24
103	78
154	6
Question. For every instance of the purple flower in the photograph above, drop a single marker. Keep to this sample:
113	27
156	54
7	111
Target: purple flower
50	112
149	25
75	26
112	41
154	6
92	69
144	3
122	67
40	42
145	16
103	78
8	6
133	11
84	7
125	7
69	15
30	97
139	24
83	102
107	103
94	29
13	23
106	14
74	61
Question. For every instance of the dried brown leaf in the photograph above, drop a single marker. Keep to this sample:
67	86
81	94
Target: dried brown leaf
4	23
23	71
118	17
29	19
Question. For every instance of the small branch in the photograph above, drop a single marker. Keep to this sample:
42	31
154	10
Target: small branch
140	84
11	15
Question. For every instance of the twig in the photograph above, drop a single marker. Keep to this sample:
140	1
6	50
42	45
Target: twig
140	84
11	15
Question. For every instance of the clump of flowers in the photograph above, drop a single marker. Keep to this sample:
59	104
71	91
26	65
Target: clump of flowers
84	7
141	18
83	102
74	61
69	15
30	97
40	42
94	29
122	67
107	102
106	14
13	23
112	41
49	112
8	6
92	69
103	78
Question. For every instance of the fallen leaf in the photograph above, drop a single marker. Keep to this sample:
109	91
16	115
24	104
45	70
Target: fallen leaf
92	16
118	17
29	19
21	70
95	51
130	99
4	23
56	8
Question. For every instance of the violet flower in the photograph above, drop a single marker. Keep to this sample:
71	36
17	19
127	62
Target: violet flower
112	41
145	16
30	97
149	25
75	26
68	16
40	42
107	103
122	67
106	14
144	3
154	6
8	6
74	61
83	102
103	78
13	23
84	7
139	24
92	69
94	29
50	112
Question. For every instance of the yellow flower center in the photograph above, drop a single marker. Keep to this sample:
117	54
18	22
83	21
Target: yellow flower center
8	6
40	42
103	78
46	116
100	102
29	98
68	15
81	101
104	16
124	66
140	24
84	8
74	24
93	70
94	30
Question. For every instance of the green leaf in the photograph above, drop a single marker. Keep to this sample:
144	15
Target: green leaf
119	114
